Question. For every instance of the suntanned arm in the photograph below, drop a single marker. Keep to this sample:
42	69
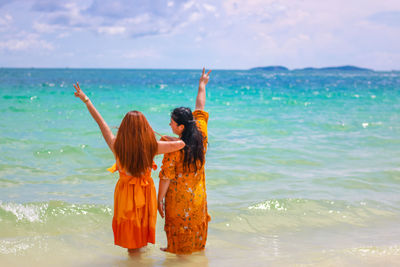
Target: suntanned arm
162	191
169	146
201	93
169	138
105	130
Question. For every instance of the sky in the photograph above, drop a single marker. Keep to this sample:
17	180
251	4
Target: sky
182	34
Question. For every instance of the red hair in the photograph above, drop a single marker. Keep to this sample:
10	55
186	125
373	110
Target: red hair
136	144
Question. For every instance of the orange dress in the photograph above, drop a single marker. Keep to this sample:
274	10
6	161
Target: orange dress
135	209
186	216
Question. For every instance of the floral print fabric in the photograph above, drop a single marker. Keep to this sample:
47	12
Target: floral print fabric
186	216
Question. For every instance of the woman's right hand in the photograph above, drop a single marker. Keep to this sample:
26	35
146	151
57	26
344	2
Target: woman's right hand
79	93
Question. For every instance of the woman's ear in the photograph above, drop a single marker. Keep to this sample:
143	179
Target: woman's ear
181	128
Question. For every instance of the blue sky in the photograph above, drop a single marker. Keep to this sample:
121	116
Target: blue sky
226	34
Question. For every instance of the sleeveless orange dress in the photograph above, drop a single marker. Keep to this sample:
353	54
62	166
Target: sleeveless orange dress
186	215
135	209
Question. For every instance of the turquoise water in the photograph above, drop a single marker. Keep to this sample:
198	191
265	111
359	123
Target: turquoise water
302	167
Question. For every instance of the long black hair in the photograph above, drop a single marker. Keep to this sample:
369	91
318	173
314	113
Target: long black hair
193	138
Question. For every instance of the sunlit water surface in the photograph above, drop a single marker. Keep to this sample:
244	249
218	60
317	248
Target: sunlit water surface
302	167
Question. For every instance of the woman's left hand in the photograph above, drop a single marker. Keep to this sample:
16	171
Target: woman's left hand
79	93
161	208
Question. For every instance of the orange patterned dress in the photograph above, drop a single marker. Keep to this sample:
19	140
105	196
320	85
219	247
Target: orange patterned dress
186	216
135	209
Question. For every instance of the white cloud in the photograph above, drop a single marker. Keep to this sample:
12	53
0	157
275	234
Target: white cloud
44	28
120	17
28	43
112	30
63	35
209	8
142	53
238	33
5	22
298	33
380	60
144	18
188	5
195	16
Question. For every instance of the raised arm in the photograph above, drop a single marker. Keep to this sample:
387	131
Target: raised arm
105	130
201	93
169	146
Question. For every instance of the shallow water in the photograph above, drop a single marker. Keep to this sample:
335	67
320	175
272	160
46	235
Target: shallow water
302	168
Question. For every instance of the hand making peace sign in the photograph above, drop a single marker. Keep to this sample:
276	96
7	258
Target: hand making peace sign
204	77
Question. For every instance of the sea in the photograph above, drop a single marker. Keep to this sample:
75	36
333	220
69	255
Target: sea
302	169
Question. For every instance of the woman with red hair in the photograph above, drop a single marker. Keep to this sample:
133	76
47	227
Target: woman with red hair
135	201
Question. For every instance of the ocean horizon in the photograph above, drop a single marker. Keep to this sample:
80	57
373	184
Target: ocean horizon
266	68
303	167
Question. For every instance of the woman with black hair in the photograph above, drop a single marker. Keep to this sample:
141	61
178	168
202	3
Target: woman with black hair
182	190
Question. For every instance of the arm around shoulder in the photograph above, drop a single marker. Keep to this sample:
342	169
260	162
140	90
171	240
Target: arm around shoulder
169	146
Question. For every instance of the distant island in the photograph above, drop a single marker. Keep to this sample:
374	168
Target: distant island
271	68
284	69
